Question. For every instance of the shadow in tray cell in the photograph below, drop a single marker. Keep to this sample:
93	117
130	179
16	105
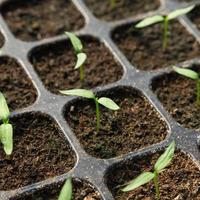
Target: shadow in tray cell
123	9
35	19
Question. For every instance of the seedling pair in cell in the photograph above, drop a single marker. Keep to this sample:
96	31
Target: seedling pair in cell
163	161
6	129
106	102
165	20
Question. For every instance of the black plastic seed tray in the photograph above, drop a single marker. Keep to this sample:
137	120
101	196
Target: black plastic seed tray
88	167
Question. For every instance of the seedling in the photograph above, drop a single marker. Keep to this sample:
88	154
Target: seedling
163	161
165	20
78	49
6	129
66	192
113	3
192	75
106	102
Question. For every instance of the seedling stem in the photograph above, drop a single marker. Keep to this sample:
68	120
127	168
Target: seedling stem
97	114
166	32
156	184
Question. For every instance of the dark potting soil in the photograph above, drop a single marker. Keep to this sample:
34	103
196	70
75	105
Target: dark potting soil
136	125
40	152
179	181
178	95
55	65
143	47
82	190
35	20
19	92
194	15
126	8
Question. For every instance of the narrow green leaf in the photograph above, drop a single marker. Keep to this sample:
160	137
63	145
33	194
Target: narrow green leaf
6	131
81	58
79	92
108	103
186	72
66	192
149	21
76	42
179	12
4	110
165	159
142	179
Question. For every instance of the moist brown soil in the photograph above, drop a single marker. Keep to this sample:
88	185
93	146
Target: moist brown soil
136	125
40	152
19	92
143	47
126	8
55	66
178	95
179	181
35	19
82	190
194	15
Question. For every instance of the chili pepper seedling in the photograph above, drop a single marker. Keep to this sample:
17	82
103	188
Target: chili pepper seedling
163	161
106	102
66	192
192	75
165	19
6	129
81	56
113	3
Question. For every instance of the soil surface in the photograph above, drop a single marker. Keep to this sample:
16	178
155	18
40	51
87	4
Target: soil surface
40	152
194	15
123	9
178	95
19	92
82	190
55	65
143	47
136	125
35	19
179	181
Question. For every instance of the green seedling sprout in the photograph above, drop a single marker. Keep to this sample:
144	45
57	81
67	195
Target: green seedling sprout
6	129
106	102
113	3
66	192
81	56
165	20
163	161
192	75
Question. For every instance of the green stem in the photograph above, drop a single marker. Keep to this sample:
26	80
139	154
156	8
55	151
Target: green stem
113	3
165	36
81	73
198	92
155	179
97	114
